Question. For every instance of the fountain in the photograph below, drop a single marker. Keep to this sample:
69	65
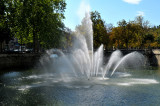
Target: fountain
82	61
81	77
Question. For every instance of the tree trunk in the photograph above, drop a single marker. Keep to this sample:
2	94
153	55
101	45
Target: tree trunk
0	47
35	42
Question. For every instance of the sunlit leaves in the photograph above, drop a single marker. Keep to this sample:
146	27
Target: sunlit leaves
38	22
100	35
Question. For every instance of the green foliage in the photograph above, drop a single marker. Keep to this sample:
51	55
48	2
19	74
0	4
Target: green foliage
41	20
100	35
67	39
132	34
36	21
5	32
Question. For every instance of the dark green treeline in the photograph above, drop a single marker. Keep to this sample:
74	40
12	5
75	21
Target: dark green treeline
39	25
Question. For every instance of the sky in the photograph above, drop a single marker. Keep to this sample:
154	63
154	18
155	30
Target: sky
112	11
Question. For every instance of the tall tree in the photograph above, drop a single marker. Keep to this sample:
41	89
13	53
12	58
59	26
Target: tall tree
124	38
115	37
4	26
100	35
39	22
142	28
67	39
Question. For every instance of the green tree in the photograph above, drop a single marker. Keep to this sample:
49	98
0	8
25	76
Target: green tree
141	30
100	35
115	37
67	39
38	22
41	20
4	26
123	35
155	38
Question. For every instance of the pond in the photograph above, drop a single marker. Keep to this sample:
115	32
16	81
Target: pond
35	87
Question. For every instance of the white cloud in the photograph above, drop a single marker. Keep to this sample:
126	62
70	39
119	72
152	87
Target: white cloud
140	13
133	1
83	8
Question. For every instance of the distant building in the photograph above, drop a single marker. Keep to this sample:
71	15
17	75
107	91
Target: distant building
12	45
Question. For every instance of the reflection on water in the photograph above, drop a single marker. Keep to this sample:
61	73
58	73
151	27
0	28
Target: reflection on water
134	81
37	88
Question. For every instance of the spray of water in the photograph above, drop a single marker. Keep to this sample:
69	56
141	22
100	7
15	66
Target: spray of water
82	61
134	59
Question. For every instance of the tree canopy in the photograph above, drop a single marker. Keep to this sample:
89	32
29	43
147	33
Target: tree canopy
100	35
38	22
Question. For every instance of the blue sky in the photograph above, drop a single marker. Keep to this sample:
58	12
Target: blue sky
112	11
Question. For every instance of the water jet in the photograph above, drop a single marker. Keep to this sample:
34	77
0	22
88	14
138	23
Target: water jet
83	62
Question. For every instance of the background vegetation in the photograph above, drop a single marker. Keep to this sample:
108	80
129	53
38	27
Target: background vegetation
39	25
35	22
136	34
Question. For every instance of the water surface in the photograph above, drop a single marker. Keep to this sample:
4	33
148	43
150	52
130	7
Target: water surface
35	87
